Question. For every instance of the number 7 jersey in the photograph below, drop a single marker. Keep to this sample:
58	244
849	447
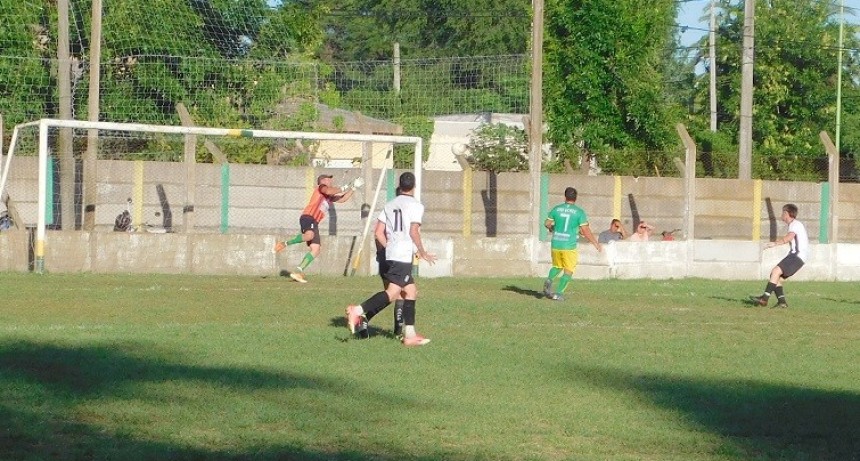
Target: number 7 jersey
567	219
398	216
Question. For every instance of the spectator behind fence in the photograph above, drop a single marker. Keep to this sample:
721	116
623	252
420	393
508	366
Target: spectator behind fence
615	232
668	236
643	232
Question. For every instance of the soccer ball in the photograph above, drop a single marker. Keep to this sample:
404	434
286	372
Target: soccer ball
458	148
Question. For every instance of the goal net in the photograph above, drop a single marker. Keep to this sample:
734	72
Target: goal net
83	176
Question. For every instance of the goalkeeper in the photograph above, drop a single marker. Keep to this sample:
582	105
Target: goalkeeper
323	196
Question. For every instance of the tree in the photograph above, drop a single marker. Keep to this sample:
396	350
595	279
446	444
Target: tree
359	30
227	56
28	47
604	87
795	82
497	147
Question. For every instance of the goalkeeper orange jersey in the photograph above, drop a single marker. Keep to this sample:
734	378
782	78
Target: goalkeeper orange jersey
318	205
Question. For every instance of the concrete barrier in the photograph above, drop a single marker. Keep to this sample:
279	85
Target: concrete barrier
264	199
250	254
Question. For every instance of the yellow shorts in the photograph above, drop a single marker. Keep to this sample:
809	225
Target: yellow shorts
565	259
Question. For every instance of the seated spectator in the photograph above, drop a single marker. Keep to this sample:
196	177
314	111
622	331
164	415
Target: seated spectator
668	236
643	232
615	232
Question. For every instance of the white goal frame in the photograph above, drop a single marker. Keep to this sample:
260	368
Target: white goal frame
46	124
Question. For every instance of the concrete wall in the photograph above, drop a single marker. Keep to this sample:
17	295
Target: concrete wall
119	252
477	222
266	199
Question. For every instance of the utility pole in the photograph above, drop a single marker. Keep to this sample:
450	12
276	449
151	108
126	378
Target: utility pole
839	76
397	68
536	122
712	51
91	156
64	146
745	141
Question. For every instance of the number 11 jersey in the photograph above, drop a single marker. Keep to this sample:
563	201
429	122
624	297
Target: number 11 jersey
398	216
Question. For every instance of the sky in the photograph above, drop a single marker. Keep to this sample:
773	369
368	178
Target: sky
692	10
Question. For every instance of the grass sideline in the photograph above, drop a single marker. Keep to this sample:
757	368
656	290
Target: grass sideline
186	367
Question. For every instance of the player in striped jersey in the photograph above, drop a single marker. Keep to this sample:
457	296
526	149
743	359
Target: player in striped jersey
322	197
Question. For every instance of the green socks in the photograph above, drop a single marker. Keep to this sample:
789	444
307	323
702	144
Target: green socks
294	240
562	284
306	261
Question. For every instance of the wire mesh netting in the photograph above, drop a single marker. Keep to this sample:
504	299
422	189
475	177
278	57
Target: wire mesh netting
256	64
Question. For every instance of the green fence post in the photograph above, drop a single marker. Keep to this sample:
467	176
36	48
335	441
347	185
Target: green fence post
544	206
49	194
390	187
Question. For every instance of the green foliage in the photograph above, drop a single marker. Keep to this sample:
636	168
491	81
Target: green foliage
499	148
289	31
717	154
604	87
554	165
216	56
404	156
26	34
634	161
368	29
329	95
379	104
795	83
434	87
433	36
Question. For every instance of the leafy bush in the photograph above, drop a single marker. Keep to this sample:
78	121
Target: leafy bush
497	147
404	155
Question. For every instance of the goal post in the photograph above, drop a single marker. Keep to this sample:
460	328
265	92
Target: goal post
45	179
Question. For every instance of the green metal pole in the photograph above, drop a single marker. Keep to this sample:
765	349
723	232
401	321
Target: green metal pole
544	206
49	195
390	187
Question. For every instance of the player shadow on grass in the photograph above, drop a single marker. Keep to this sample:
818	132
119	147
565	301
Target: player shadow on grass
524	291
746	301
753	418
843	300
340	323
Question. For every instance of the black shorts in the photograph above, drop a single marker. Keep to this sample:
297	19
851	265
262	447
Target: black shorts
308	223
383	264
790	265
397	272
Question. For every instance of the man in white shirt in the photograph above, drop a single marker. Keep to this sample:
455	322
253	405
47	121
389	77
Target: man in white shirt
798	252
398	229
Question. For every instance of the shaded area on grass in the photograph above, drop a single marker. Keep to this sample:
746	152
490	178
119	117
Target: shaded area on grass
762	420
372	329
524	291
42	387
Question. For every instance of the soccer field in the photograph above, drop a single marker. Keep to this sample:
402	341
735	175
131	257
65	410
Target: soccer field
185	367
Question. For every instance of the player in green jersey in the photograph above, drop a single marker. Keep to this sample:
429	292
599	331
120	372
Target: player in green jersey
566	221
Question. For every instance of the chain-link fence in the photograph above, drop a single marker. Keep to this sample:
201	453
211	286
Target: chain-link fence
244	185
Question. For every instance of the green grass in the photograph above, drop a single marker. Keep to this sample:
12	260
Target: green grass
121	367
